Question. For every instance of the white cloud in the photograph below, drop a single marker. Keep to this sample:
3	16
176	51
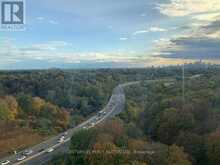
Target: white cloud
43	19
188	7
201	16
208	17
48	52
157	29
151	29
47	46
123	38
140	32
161	40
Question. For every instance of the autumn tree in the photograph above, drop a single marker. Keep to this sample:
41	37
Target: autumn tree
176	156
213	148
105	154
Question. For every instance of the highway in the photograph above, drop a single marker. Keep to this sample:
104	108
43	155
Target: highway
60	143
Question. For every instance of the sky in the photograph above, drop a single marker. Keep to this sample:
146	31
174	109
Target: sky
113	34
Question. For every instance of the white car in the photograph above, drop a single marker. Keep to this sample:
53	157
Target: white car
92	124
61	140
21	158
5	162
50	150
28	152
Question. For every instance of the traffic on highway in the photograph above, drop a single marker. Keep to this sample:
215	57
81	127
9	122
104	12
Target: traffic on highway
38	154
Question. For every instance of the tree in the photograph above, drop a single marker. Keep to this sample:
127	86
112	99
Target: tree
81	142
176	156
194	145
13	106
113	127
63	119
37	104
133	131
105	154
171	122
104	138
137	147
4	110
213	148
25	102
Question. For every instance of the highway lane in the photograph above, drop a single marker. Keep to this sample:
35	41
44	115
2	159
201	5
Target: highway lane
40	155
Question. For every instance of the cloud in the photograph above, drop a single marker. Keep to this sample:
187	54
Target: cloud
157	29
43	19
123	38
47	46
140	32
196	13
199	37
176	8
191	48
44	55
208	17
151	29
48	52
161	40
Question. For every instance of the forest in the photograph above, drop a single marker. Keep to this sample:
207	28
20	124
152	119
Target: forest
160	123
37	104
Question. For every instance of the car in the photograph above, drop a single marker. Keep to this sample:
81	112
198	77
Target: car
50	150
92	124
100	113
61	139
5	162
21	158
28	152
84	127
41	150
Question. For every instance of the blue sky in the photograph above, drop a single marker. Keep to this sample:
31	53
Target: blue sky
113	33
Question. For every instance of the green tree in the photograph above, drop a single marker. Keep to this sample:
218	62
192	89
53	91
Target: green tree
81	142
25	102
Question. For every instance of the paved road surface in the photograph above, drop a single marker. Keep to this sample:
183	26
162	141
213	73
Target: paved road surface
40	155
